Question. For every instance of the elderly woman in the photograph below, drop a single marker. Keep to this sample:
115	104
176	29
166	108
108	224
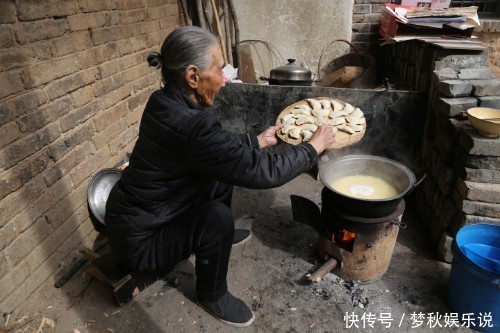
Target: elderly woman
174	198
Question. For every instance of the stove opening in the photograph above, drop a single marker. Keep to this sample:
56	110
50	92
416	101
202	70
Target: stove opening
344	239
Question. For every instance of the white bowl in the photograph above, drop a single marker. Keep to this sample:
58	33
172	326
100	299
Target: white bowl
478	118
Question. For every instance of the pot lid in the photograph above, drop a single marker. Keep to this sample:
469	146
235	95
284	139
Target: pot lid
291	71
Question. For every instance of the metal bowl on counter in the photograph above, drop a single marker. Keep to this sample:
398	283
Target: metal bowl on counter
98	191
394	173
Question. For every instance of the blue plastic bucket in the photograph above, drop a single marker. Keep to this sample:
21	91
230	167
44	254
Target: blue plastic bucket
474	284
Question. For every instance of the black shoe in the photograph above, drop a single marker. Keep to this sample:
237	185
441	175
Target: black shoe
229	310
241	236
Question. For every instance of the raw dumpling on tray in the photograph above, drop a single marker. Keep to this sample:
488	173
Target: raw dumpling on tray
300	120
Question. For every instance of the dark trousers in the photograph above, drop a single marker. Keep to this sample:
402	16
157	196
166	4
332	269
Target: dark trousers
207	231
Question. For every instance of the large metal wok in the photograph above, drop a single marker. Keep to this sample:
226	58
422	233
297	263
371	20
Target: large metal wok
396	174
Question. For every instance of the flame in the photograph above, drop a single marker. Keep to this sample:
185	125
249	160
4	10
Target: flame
344	239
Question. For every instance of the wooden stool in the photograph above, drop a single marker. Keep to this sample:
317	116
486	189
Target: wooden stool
125	285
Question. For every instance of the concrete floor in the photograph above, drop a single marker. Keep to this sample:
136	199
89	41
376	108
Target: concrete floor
268	273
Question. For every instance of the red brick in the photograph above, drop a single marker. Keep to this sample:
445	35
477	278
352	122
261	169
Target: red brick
110	116
35	10
3	265
90	166
107	34
9	15
6	37
12	281
14	57
25	242
22	173
70	83
7	234
10	133
102	138
79	115
70	140
96	6
58	214
38	207
70	43
40	30
116	96
82	96
27	146
11	108
80	22
86	59
132	16
11	83
18	200
106	52
44	115
66	164
46	72
131	4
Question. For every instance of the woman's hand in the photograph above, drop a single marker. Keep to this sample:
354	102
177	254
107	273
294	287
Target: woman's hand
268	137
323	138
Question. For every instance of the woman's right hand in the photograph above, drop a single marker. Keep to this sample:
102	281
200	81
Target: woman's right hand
323	138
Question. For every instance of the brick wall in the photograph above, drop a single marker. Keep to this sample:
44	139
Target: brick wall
365	18
462	185
74	82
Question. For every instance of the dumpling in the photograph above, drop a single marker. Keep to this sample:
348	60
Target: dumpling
357	113
348	108
295	133
320	112
301	111
290	121
319	121
303	119
325	104
306	135
315	104
356	127
310	127
346	129
336	121
336	114
286	117
288	128
336	105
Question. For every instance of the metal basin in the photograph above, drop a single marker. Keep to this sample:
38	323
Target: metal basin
98	191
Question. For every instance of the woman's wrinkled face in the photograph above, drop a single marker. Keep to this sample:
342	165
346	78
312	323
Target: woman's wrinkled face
211	80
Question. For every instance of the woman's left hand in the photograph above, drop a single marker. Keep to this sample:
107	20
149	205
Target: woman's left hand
268	137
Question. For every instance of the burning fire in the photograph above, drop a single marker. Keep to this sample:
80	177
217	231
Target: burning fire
344	239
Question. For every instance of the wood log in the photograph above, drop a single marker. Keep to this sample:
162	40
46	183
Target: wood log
323	270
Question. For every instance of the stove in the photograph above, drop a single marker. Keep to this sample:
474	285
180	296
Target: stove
355	248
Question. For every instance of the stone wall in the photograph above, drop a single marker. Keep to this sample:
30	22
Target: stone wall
74	82
365	18
463	168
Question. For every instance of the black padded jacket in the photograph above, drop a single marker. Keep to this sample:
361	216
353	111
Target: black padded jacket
181	154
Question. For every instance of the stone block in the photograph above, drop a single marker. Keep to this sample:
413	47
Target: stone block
79	115
45	115
482	162
33	31
486	87
455	88
472	219
475	74
481	208
446	73
9	15
454	107
10	133
70	140
489	102
362	9
11	83
21	104
472	142
482	175
479	191
444	247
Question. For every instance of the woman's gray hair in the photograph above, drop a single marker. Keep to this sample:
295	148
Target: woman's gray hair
184	46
